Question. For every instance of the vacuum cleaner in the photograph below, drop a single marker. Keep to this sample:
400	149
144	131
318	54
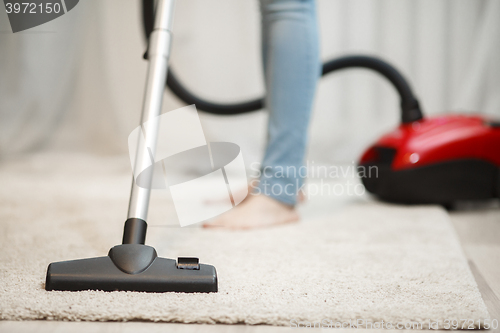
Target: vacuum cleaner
439	160
134	266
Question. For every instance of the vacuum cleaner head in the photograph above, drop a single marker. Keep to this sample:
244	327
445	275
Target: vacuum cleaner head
435	160
132	267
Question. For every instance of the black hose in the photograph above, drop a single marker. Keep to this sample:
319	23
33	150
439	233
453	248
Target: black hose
410	109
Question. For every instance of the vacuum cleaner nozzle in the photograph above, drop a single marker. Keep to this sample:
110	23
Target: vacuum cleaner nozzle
132	267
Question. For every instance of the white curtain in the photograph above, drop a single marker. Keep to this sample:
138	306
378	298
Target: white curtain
448	49
38	72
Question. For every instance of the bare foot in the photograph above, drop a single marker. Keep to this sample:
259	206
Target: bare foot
256	211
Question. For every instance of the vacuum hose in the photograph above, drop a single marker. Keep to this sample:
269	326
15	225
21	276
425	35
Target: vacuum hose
410	109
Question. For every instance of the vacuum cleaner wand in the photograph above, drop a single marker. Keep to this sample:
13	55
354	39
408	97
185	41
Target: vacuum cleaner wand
134	266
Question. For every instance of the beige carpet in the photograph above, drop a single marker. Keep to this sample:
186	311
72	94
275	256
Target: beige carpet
367	261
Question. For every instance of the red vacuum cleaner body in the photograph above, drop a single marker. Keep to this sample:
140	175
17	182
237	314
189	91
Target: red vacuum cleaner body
435	160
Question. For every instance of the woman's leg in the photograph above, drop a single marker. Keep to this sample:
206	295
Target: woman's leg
291	70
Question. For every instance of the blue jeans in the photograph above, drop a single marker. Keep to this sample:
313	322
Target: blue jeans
290	50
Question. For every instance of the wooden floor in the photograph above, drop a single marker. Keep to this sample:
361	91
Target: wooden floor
478	228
